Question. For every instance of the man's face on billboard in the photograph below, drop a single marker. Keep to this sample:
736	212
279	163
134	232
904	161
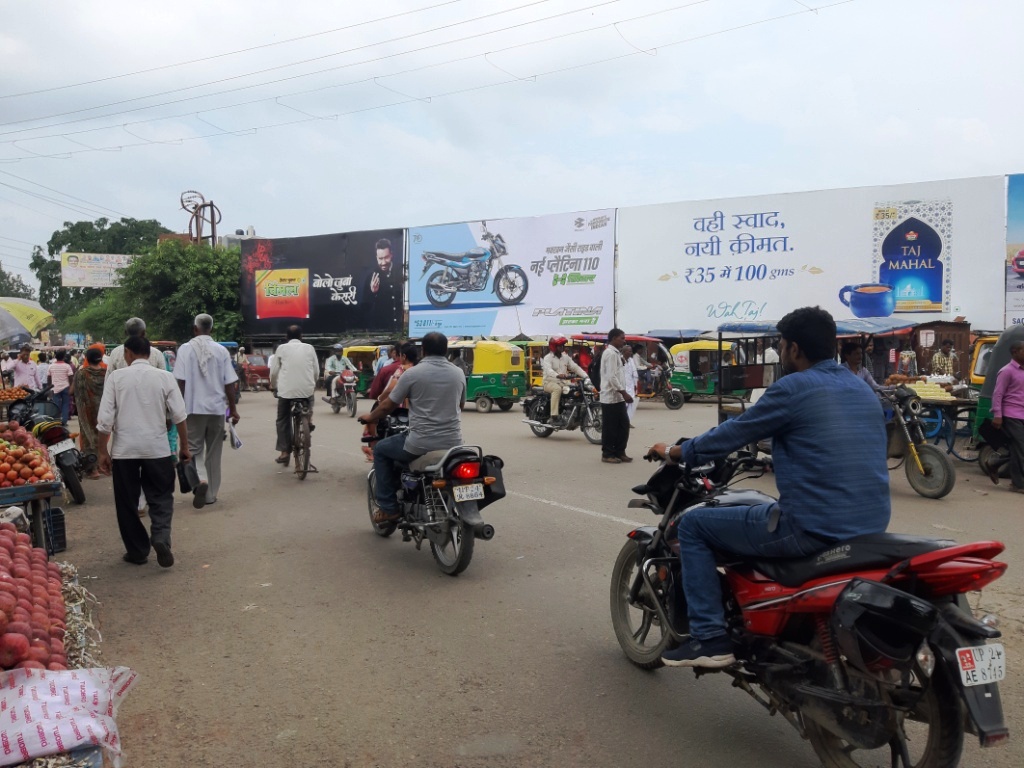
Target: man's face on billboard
384	259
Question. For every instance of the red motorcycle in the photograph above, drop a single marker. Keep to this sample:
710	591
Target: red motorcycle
868	648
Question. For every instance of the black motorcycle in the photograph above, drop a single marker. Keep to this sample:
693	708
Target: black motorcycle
440	498
70	463
579	409
470	271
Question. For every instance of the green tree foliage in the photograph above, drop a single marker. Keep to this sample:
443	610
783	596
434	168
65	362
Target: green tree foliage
167	286
13	285
100	236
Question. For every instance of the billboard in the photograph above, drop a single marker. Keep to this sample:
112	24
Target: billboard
537	276
91	270
1014	250
329	284
927	251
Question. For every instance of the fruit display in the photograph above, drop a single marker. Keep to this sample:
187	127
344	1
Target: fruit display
23	459
899	378
12	394
32	610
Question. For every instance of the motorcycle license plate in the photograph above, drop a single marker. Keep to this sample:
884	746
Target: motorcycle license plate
470	492
63	445
981	664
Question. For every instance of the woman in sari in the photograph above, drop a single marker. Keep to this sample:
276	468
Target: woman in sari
88	386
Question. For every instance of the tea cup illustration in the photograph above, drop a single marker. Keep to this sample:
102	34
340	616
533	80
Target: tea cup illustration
869	299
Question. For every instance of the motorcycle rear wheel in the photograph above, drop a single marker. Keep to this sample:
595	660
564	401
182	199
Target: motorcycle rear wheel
437	295
385	529
71	480
940	474
934	734
592	425
335	405
634	624
454	556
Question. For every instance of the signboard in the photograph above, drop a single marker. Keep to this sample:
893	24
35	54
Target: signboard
1014	264
329	284
927	251
92	270
538	276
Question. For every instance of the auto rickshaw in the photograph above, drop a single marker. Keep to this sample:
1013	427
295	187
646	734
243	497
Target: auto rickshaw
696	367
365	357
649	387
533	355
495	372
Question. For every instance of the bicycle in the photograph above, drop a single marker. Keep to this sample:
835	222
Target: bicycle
301	428
957	432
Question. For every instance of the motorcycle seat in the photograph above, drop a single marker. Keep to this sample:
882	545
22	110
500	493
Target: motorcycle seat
538	390
431	462
874	550
476	253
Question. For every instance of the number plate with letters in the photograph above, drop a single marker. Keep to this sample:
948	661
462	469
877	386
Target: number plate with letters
981	664
471	492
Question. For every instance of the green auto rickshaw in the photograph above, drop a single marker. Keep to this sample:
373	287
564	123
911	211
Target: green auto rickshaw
495	372
696	365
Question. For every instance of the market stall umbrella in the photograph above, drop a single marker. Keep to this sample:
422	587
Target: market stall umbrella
20	317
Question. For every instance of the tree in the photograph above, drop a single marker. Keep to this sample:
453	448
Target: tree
13	285
125	236
167	286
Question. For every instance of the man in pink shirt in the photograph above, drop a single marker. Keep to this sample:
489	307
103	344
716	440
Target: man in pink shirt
1008	411
26	372
60	376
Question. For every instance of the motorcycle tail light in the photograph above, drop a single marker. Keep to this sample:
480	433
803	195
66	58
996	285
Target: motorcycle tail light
926	659
467	470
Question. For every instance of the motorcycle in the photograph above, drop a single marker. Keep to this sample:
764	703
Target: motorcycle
469	271
440	497
70	463
929	469
662	388
579	409
344	393
867	645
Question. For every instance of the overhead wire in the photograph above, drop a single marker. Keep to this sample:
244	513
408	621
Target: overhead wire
53	201
253	129
65	194
216	56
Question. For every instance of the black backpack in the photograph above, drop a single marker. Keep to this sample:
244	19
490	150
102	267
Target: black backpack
594	371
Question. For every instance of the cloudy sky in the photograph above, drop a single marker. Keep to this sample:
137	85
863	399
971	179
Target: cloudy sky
303	118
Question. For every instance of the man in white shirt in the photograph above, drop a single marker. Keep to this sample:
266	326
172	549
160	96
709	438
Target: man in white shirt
557	367
137	403
206	377
632	378
614	399
135	326
294	370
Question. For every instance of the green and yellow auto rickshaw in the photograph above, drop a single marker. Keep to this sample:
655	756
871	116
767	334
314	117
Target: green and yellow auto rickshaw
495	372
696	365
364	358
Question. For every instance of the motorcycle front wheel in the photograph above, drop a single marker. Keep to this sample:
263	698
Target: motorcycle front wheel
933	729
592	425
637	627
510	284
437	294
453	556
351	404
939	473
674	399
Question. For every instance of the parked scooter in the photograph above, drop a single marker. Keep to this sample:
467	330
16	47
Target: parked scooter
469	271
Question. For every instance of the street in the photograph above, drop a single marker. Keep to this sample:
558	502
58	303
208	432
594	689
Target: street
288	634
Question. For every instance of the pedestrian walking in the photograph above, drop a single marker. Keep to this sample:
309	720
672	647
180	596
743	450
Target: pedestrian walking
1008	414
614	399
43	366
137	403
61	374
293	374
206	377
135	326
88	386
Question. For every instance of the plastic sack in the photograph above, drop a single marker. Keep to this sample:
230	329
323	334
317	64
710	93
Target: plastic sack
236	441
46	713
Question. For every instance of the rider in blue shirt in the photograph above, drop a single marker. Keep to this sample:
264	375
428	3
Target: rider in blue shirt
828	448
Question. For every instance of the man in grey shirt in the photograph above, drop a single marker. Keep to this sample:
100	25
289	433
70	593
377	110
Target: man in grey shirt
436	391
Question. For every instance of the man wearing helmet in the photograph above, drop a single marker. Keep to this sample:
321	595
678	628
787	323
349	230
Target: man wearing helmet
558	367
333	367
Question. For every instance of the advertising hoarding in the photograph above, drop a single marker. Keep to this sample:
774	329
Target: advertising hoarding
926	251
1014	250
329	284
537	276
92	270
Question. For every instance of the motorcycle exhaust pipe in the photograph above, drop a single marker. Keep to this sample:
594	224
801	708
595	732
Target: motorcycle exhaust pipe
484	531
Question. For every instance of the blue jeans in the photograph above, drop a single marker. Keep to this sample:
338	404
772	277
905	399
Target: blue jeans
388	456
63	401
738	530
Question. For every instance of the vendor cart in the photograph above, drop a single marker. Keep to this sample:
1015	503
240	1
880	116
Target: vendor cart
46	521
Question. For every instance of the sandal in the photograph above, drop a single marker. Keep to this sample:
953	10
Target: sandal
381	517
283	459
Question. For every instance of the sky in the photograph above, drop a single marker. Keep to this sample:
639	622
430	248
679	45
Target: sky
312	117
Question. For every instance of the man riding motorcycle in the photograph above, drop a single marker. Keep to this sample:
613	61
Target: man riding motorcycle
333	367
557	367
828	448
436	391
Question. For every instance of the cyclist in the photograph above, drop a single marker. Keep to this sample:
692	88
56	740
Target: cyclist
293	374
436	391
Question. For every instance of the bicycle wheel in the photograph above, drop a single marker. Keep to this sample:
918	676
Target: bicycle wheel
964	443
300	444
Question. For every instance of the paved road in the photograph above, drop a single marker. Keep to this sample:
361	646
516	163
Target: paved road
288	634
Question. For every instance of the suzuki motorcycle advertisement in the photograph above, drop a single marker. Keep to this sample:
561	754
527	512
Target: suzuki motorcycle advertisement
538	276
